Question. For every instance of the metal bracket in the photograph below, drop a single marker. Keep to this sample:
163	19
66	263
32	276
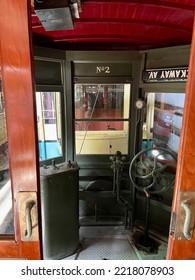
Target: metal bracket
185	219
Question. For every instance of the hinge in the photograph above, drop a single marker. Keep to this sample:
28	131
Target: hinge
172	224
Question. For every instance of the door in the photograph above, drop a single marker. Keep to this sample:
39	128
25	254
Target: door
18	91
182	234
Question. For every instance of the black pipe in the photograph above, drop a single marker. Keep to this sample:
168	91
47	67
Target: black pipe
145	240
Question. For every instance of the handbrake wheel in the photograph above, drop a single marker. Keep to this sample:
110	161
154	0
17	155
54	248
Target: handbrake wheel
152	170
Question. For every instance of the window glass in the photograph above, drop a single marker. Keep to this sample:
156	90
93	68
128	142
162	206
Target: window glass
99	139
101	118
163	120
101	101
49	124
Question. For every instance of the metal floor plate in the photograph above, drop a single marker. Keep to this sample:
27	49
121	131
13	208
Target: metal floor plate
114	243
106	249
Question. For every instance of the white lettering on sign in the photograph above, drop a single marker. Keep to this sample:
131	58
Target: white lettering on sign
184	73
103	69
153	75
165	75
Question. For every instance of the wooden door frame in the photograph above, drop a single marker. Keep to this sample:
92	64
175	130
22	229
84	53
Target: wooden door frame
18	87
185	176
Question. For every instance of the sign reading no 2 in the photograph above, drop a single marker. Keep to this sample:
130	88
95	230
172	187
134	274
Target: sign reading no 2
103	69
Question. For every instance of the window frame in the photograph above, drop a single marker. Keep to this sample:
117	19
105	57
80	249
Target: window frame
101	159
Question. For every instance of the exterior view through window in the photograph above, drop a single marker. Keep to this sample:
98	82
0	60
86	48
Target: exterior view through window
101	118
49	124
163	120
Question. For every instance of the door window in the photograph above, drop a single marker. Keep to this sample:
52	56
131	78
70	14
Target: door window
101	118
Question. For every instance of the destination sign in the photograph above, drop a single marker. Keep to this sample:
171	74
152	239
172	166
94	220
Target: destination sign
165	75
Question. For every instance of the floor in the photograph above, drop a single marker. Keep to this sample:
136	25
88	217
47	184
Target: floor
115	243
98	242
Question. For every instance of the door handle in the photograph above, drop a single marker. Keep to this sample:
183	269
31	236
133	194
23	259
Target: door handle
183	227
187	221
28	218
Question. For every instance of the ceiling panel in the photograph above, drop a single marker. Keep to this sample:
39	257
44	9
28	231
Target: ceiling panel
125	25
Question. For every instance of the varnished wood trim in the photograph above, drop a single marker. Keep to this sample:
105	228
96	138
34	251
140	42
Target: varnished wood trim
18	87
185	179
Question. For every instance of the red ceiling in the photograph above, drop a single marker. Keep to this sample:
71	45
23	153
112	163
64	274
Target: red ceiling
123	25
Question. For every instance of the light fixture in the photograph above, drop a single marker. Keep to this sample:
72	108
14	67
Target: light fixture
54	14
